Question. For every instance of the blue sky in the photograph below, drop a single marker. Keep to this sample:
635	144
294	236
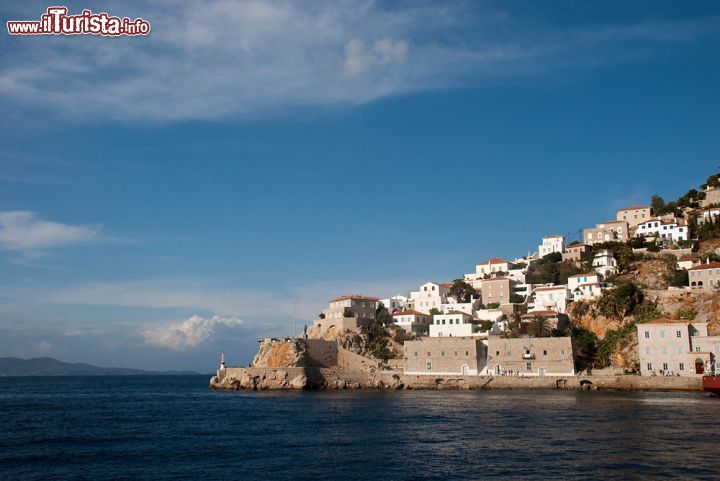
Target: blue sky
167	197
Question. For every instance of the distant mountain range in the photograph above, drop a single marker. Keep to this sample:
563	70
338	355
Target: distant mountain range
47	366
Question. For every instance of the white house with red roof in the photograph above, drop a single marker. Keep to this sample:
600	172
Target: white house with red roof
553	298
688	262
412	321
489	268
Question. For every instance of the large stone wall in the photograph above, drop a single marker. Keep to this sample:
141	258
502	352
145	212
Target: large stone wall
333	378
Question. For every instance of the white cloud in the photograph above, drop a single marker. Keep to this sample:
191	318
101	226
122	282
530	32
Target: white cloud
42	347
359	58
189	333
207	60
25	232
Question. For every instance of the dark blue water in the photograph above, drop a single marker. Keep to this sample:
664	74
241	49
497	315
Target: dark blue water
175	428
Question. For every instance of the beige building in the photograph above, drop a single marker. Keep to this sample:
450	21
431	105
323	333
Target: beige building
705	276
531	356
607	232
676	347
634	215
346	312
445	355
576	253
496	290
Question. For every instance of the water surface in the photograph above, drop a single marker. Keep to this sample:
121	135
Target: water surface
175	428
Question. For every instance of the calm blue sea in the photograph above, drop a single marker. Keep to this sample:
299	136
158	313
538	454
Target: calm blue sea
175	428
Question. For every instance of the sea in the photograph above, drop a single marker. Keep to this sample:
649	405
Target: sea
175	428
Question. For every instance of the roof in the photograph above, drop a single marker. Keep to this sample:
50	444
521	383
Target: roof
552	237
576	246
355	298
410	312
454	313
711	265
550	288
495	279
445	284
688	258
635	207
668	321
540	313
582	275
496	260
612	222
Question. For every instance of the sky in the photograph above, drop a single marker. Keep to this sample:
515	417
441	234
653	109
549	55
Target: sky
170	197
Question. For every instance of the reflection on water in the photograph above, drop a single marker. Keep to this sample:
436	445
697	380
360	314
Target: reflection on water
175	428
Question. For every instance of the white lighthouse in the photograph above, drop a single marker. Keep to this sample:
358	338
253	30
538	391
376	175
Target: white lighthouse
222	361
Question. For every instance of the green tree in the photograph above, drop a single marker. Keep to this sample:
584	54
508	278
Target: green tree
620	301
462	291
539	326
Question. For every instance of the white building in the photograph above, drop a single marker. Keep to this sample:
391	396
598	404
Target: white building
453	324
395	303
709	213
676	347
669	229
466	307
688	262
431	295
494	315
412	321
490	267
585	286
604	263
550	244
553	298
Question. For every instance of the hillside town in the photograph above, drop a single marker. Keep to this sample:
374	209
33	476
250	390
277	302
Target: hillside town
518	317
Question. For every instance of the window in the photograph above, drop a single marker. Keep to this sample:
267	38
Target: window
697	348
528	366
678	333
663	350
562	352
497	353
544	353
467	353
679	350
429	354
662	334
647	350
682	366
665	368
455	353
416	354
649	366
647	334
428	365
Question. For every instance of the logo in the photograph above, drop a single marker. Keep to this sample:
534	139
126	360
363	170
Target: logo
56	21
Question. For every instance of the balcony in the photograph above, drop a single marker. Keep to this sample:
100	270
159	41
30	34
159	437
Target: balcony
527	356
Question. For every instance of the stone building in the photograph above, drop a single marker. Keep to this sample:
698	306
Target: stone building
634	215
617	231
676	347
496	290
531	356
705	276
445	355
576	253
346	312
